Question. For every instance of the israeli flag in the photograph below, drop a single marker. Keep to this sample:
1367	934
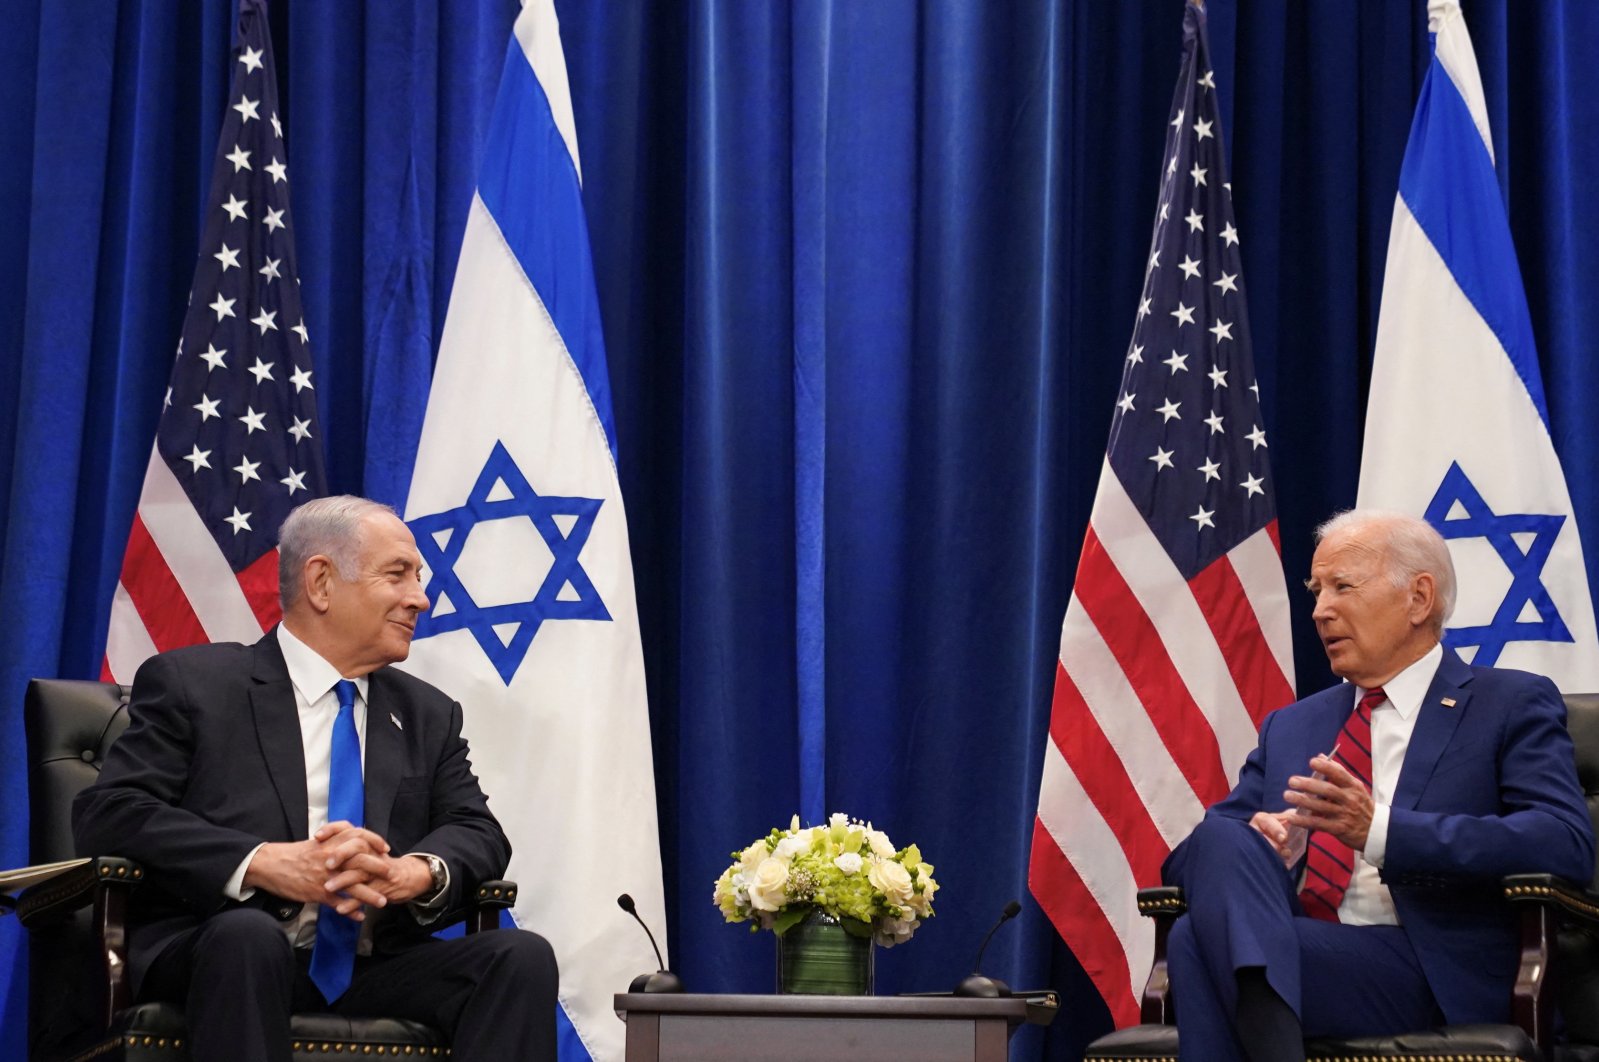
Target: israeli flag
1457	428
517	509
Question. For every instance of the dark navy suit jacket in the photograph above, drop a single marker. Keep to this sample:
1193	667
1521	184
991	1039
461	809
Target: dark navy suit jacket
1488	788
212	765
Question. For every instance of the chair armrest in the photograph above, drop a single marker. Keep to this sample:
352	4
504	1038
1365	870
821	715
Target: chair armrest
67	892
1543	902
105	881
492	897
1163	904
1572	901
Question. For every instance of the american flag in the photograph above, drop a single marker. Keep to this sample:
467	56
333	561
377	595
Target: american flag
238	444
1176	640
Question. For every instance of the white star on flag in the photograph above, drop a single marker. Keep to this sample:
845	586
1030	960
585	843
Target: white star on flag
211	576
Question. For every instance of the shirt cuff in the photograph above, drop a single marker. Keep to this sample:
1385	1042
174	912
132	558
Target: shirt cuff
1377	837
234	889
427	907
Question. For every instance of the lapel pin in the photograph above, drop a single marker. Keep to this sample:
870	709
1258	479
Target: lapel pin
399	726
1448	702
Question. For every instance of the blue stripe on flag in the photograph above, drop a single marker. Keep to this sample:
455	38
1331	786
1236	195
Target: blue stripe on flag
568	1045
531	189
1448	183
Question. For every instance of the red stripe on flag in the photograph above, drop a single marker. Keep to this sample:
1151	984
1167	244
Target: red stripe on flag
1143	658
1260	681
1082	924
163	607
1276	537
105	670
260	585
1104	778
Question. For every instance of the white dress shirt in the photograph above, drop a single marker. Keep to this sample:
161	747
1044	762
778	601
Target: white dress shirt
1368	901
314	680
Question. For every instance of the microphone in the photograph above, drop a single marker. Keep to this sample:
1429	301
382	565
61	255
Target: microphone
662	980
975	984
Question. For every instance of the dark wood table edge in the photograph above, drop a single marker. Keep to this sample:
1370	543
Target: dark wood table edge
1015	1010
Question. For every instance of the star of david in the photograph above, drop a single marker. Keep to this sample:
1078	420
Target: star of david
1526	567
442	536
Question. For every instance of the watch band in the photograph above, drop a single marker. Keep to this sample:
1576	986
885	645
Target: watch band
440	878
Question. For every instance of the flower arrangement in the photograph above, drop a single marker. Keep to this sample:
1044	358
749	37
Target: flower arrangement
845	868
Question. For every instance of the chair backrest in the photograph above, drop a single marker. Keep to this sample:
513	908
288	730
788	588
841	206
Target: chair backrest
1582	719
1578	956
70	726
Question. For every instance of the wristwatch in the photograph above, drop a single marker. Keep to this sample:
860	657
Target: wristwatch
437	872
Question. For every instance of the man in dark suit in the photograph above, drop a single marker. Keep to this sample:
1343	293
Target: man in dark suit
1354	892
308	813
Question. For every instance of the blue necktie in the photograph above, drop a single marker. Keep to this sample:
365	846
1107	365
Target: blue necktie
333	957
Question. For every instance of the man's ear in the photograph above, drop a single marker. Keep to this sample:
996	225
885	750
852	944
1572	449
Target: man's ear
1423	599
318	576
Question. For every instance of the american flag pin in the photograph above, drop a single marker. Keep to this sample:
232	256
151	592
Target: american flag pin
1448	702
400	726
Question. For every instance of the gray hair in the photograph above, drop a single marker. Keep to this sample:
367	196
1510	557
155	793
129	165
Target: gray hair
1412	547
327	526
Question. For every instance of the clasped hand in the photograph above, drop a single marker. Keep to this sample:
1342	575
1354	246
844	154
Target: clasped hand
1337	803
342	866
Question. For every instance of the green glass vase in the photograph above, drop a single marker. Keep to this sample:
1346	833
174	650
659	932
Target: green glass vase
818	956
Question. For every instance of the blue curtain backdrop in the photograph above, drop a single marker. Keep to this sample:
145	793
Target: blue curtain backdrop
866	271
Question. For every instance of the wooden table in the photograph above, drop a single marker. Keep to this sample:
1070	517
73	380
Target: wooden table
709	1028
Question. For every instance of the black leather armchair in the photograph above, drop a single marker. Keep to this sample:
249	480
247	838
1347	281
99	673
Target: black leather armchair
1559	964
79	1003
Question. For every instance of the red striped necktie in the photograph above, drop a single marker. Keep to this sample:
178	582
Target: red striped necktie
1330	863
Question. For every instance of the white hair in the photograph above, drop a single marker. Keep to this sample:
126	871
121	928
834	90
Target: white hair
330	527
1411	547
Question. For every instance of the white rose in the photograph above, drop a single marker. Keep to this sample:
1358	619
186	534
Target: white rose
892	880
767	885
753	856
849	863
882	847
838	820
891	931
789	847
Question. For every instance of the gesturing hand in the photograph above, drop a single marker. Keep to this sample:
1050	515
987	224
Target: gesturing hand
1337	803
1273	825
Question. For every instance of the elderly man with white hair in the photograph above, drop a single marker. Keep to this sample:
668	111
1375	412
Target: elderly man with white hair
1347	885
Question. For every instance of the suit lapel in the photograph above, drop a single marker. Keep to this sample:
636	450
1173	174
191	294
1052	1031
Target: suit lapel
1435	727
385	752
277	728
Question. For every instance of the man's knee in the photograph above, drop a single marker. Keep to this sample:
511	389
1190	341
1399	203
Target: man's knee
1219	831
244	935
524	957
1221	847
